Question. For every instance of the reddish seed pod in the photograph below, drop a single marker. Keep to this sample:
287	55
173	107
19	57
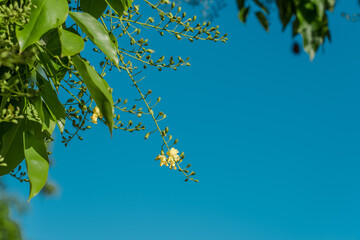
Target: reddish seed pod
296	48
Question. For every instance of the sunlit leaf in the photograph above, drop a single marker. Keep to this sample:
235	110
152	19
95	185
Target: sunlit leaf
47	122
99	89
52	102
37	162
113	39
47	15
96	33
50	66
71	43
119	6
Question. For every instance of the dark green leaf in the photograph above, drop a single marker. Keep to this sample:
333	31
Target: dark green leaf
12	149
33	117
295	27
262	19
240	3
93	7
53	70
52	41
52	102
113	39
47	122
37	162
38	105
262	6
119	6
285	11
47	15
243	14
64	43
97	34
99	90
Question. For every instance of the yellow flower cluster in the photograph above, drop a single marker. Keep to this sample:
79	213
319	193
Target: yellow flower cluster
171	160
96	114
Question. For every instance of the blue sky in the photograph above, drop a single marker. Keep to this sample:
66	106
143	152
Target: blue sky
273	137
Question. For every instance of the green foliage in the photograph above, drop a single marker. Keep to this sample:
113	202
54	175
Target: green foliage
93	7
71	43
37	162
308	18
119	6
51	102
48	14
41	60
98	88
97	34
9	229
11	146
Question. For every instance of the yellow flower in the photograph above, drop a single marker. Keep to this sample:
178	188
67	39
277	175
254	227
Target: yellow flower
94	118
163	160
172	162
97	111
173	153
96	114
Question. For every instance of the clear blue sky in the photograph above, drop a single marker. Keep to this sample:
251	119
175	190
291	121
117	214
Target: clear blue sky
273	137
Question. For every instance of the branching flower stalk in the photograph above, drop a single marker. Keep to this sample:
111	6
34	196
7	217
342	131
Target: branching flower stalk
36	68
163	133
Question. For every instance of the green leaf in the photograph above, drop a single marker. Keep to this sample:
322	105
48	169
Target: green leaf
34	118
71	43
330	4
94	7
99	90
47	122
37	162
97	34
12	149
240	3
64	43
113	39
320	7
285	11
243	14
262	19
37	102
295	27
119	6
53	70
312	27
52	102
47	15
262	6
